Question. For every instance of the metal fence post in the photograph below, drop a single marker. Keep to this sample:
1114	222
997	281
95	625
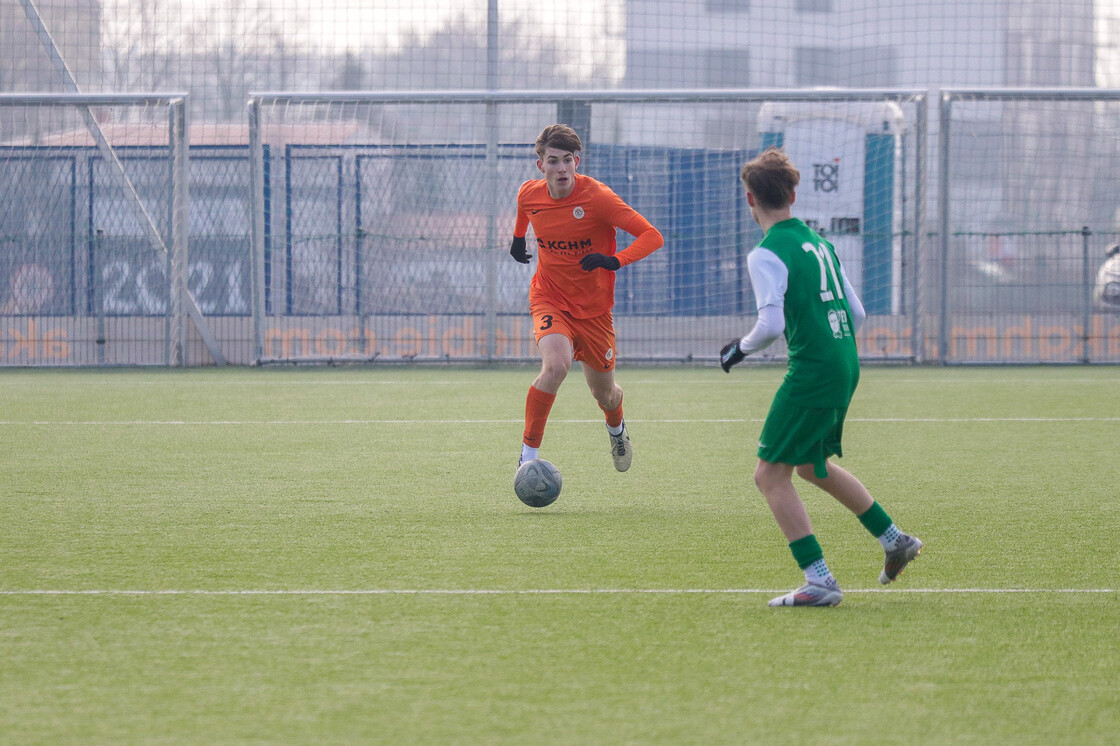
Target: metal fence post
920	242
1086	293
180	228
943	210
256	200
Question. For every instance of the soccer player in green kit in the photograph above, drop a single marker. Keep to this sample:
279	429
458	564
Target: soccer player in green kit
802	292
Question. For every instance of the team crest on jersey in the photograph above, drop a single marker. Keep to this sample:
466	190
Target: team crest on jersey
578	213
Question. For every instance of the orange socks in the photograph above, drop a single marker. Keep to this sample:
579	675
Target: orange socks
537	406
614	416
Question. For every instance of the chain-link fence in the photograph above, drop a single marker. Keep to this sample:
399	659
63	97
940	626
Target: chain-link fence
393	243
375	226
93	212
1029	195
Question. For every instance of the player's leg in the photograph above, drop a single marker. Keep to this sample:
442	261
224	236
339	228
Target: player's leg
841	484
900	548
793	434
607	392
775	482
556	361
608	395
594	348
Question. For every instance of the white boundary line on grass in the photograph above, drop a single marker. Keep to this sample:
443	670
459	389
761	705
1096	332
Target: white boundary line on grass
529	591
778	370
701	420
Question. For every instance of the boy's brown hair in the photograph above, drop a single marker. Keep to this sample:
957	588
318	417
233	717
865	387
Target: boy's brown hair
559	136
771	177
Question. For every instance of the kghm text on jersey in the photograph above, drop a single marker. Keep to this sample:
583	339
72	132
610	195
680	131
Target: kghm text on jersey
565	245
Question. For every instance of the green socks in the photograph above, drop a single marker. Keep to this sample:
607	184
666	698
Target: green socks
875	520
810	558
806	551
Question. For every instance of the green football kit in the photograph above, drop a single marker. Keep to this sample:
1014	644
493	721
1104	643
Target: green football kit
806	418
801	291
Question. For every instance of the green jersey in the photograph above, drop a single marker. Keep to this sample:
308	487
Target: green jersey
823	362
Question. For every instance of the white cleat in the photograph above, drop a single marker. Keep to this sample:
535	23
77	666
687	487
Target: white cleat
811	594
621	450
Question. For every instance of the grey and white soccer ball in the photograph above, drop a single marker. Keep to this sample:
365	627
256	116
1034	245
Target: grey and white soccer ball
537	483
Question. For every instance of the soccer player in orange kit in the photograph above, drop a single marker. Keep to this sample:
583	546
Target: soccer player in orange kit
571	295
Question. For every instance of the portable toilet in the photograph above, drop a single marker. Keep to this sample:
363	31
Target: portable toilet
847	153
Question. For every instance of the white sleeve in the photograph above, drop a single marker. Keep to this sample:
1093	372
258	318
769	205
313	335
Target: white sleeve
770	325
858	311
769	278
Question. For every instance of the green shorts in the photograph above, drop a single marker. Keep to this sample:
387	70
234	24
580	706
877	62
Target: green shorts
797	435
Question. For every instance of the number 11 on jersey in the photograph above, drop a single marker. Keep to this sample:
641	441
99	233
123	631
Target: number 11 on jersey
824	259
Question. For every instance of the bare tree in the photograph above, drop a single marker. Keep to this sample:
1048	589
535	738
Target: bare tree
454	56
140	41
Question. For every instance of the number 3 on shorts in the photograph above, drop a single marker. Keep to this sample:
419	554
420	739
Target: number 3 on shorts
546	322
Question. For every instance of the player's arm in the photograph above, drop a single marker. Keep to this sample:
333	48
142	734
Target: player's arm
520	227
647	240
859	314
769	278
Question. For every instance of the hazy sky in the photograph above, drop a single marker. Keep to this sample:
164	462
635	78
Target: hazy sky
354	24
587	28
569	18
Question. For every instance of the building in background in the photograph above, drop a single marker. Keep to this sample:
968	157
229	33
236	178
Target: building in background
922	46
855	44
866	43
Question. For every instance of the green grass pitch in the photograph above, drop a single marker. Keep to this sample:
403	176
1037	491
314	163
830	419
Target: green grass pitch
336	555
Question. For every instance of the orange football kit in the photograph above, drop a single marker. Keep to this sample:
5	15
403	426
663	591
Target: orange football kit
563	297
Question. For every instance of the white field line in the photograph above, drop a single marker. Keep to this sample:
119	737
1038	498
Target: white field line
706	421
716	380
533	591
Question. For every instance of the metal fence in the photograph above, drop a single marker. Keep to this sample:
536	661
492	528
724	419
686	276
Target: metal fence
1027	209
421	199
374	226
74	291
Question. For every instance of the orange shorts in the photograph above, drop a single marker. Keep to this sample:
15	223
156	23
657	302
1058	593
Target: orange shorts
592	339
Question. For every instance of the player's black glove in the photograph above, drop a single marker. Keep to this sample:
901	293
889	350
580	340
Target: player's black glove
731	355
517	250
599	261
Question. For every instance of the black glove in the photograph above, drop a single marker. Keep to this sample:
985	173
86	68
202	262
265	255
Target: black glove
599	261
731	355
517	250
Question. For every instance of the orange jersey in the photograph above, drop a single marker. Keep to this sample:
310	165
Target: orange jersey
569	229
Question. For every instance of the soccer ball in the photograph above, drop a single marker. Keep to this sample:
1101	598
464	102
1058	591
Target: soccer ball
537	483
